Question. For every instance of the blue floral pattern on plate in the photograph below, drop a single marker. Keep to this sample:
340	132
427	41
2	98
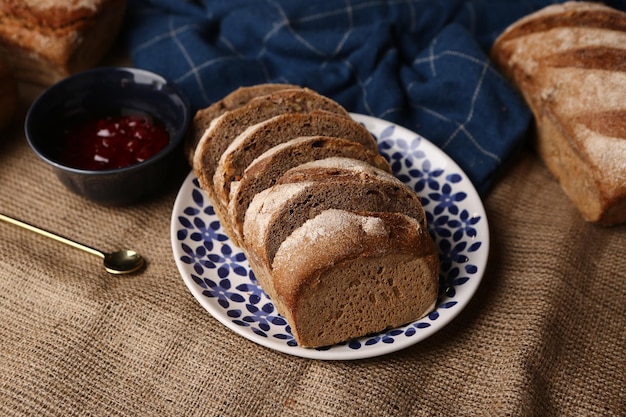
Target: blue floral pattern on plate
219	277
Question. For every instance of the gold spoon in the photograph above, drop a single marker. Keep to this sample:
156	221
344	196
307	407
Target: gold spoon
120	262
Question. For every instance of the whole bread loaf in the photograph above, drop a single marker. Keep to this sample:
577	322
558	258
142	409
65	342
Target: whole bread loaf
569	62
47	40
337	242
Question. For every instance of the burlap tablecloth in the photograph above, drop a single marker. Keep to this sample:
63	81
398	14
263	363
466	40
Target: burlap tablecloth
544	335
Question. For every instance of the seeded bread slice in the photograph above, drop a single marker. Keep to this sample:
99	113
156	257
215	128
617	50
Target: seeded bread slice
345	274
276	212
265	170
259	138
235	99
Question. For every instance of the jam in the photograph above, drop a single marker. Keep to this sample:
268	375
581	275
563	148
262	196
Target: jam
109	142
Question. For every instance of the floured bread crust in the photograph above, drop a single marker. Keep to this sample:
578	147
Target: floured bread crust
269	167
569	62
358	269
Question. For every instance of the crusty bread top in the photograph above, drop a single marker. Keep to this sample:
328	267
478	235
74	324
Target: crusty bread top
336	168
53	14
569	14
335	235
237	98
569	62
275	212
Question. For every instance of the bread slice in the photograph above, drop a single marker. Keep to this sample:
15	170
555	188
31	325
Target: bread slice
568	62
226	128
338	183
236	99
347	274
265	170
261	137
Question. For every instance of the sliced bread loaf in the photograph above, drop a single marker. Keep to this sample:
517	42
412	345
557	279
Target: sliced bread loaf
337	242
346	274
265	170
235	99
261	137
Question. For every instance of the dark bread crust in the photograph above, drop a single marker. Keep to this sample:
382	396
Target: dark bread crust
584	14
262	137
266	227
238	98
265	171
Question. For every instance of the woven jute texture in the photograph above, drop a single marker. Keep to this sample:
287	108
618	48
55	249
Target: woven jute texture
544	335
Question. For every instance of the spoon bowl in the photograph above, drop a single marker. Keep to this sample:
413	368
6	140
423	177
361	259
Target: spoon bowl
123	262
118	263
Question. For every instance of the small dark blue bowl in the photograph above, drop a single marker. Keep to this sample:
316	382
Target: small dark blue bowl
108	90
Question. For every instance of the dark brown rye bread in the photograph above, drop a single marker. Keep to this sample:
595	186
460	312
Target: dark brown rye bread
277	211
236	99
231	124
264	171
260	138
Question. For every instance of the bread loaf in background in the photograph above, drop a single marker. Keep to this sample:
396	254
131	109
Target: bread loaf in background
47	40
335	240
569	62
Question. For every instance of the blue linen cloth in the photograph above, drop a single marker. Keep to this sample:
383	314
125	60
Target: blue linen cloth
422	64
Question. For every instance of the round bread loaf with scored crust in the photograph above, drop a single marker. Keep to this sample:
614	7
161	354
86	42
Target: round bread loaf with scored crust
344	183
261	137
265	170
238	98
346	274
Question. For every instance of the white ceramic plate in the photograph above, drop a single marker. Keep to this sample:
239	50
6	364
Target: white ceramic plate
219	277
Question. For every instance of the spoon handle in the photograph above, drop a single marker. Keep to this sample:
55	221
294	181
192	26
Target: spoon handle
54	236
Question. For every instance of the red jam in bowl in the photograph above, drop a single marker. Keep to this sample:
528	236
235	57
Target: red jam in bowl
109	142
